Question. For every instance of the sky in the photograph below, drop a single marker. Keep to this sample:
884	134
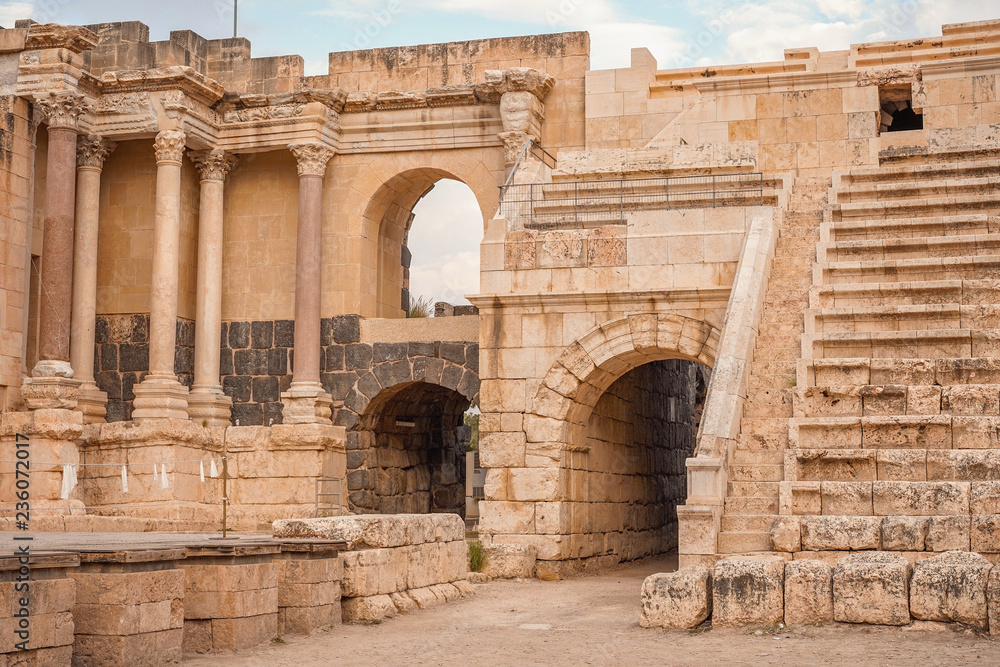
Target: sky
447	227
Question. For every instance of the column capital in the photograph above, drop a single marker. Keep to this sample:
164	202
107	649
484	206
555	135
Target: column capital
312	158
62	109
213	164
169	146
92	150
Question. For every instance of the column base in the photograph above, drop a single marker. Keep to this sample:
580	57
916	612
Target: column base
160	397
50	393
92	402
208	406
306	403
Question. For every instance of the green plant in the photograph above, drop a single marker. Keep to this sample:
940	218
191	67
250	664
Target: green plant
422	306
472	421
477	557
277	640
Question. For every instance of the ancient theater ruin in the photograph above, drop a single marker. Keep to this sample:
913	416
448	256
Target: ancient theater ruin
744	309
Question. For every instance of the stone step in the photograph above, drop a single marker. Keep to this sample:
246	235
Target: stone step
907	208
895	432
747	523
969	245
756	472
953	225
887	498
738	543
928	269
893	465
930	344
869	400
752	489
744	505
893	189
901	318
854	295
920	172
758	457
919	372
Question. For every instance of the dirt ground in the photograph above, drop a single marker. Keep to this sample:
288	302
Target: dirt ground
594	620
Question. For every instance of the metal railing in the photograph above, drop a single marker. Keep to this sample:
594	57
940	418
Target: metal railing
534	150
574	204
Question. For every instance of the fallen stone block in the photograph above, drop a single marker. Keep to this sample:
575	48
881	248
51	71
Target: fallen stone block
748	589
808	592
872	588
677	600
951	587
509	561
371	608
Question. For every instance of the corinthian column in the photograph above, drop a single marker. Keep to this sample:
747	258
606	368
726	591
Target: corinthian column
161	395
91	151
52	384
206	402
305	402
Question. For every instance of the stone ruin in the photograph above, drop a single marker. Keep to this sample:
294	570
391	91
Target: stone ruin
746	309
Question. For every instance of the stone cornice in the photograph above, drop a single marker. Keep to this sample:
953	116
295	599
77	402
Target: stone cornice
214	164
184	79
92	150
711	297
56	36
169	146
516	79
311	158
62	109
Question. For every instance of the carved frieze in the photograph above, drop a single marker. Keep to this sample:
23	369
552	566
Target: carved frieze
311	158
92	150
263	113
882	76
169	146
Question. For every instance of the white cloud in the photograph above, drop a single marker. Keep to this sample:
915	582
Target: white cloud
12	11
444	241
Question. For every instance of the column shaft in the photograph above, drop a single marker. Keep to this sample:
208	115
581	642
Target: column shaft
55	303
308	268
209	297
164	280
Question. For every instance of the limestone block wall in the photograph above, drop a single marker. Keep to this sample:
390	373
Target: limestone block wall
394	563
52	594
639	434
15	240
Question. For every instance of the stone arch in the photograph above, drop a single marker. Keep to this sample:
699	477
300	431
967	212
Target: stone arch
583	372
384	195
416	465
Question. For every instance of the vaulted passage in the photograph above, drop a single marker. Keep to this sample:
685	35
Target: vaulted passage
411	452
639	434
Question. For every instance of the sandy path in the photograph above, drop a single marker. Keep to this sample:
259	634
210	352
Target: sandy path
594	620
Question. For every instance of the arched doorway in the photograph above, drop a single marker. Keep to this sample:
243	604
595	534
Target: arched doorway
407	442
389	213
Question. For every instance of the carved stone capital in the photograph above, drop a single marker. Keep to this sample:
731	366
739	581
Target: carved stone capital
513	142
517	79
311	158
169	146
92	150
214	164
62	109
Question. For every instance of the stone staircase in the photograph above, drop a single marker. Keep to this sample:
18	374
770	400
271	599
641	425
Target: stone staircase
756	467
895	420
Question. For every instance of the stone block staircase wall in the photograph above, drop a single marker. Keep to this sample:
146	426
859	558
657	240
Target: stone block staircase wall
756	466
887	434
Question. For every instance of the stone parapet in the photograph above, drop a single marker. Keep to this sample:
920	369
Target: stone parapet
395	563
48	629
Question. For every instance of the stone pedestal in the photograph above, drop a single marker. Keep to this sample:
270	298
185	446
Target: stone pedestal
160	397
209	406
50	393
306	403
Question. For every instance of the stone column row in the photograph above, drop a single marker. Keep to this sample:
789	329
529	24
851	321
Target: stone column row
64	375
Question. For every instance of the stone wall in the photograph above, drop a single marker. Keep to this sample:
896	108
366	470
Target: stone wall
394	564
639	434
121	358
15	238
